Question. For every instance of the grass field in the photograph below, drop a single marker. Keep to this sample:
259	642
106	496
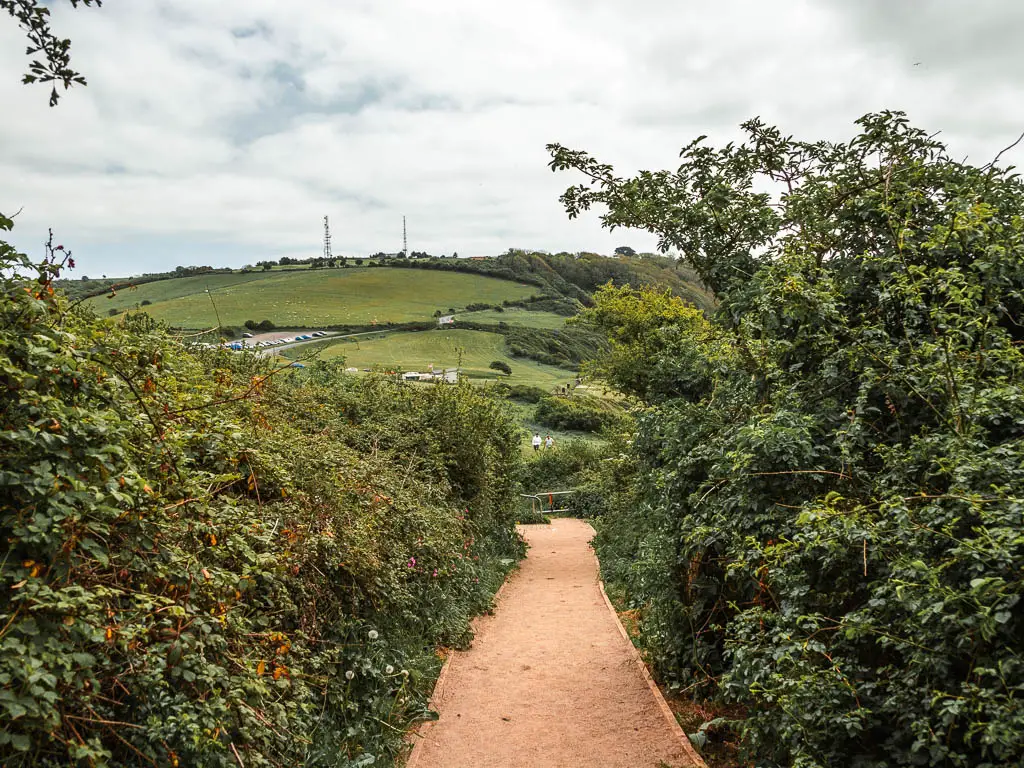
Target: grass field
515	316
311	298
415	351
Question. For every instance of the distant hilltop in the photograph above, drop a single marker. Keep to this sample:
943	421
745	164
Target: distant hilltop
563	279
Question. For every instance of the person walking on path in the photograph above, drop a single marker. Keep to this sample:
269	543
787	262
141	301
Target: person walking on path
536	441
549	442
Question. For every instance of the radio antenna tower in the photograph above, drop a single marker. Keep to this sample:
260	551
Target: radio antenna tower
405	240
327	239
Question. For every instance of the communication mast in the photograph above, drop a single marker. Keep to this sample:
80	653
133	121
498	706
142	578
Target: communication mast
405	240
327	239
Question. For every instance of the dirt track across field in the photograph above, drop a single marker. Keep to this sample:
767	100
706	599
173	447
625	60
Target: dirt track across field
550	680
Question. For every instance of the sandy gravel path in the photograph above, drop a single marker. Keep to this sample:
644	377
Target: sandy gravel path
550	680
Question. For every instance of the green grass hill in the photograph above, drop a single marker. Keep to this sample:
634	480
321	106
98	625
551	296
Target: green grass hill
512	308
473	350
311	298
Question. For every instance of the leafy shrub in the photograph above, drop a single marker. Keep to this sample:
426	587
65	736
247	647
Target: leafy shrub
574	465
501	365
567	466
262	325
526	393
819	517
207	562
579	412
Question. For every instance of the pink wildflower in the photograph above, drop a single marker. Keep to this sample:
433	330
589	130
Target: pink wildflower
435	573
411	563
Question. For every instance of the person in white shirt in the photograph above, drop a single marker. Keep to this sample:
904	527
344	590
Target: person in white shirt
549	442
536	441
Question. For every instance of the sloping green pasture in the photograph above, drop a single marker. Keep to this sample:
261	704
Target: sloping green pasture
312	298
514	316
415	351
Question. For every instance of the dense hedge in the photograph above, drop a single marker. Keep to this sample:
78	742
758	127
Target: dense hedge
821	516
572	465
579	413
205	563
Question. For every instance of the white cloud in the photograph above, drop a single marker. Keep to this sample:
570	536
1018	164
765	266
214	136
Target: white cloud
231	128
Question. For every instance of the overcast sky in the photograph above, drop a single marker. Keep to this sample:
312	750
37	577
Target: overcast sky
222	132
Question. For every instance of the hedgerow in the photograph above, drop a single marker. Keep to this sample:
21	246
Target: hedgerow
821	514
207	562
582	413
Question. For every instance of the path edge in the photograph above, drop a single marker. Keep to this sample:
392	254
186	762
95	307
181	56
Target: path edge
666	711
419	732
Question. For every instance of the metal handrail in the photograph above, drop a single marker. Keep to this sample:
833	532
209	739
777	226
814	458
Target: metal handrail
537	501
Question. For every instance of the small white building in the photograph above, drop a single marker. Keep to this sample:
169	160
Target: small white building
446	319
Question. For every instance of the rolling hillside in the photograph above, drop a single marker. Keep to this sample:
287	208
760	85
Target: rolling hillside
311	298
521	318
520	302
415	351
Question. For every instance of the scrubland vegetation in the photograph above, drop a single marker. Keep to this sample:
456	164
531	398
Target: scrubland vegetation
207	562
818	519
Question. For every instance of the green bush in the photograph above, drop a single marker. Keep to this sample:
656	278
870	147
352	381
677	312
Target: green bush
208	563
565	467
526	393
819	517
574	465
579	413
501	365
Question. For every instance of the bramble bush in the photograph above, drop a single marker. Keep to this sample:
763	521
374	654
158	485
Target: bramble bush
820	516
208	562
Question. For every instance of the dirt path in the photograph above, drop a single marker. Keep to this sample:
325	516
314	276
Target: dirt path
550	680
